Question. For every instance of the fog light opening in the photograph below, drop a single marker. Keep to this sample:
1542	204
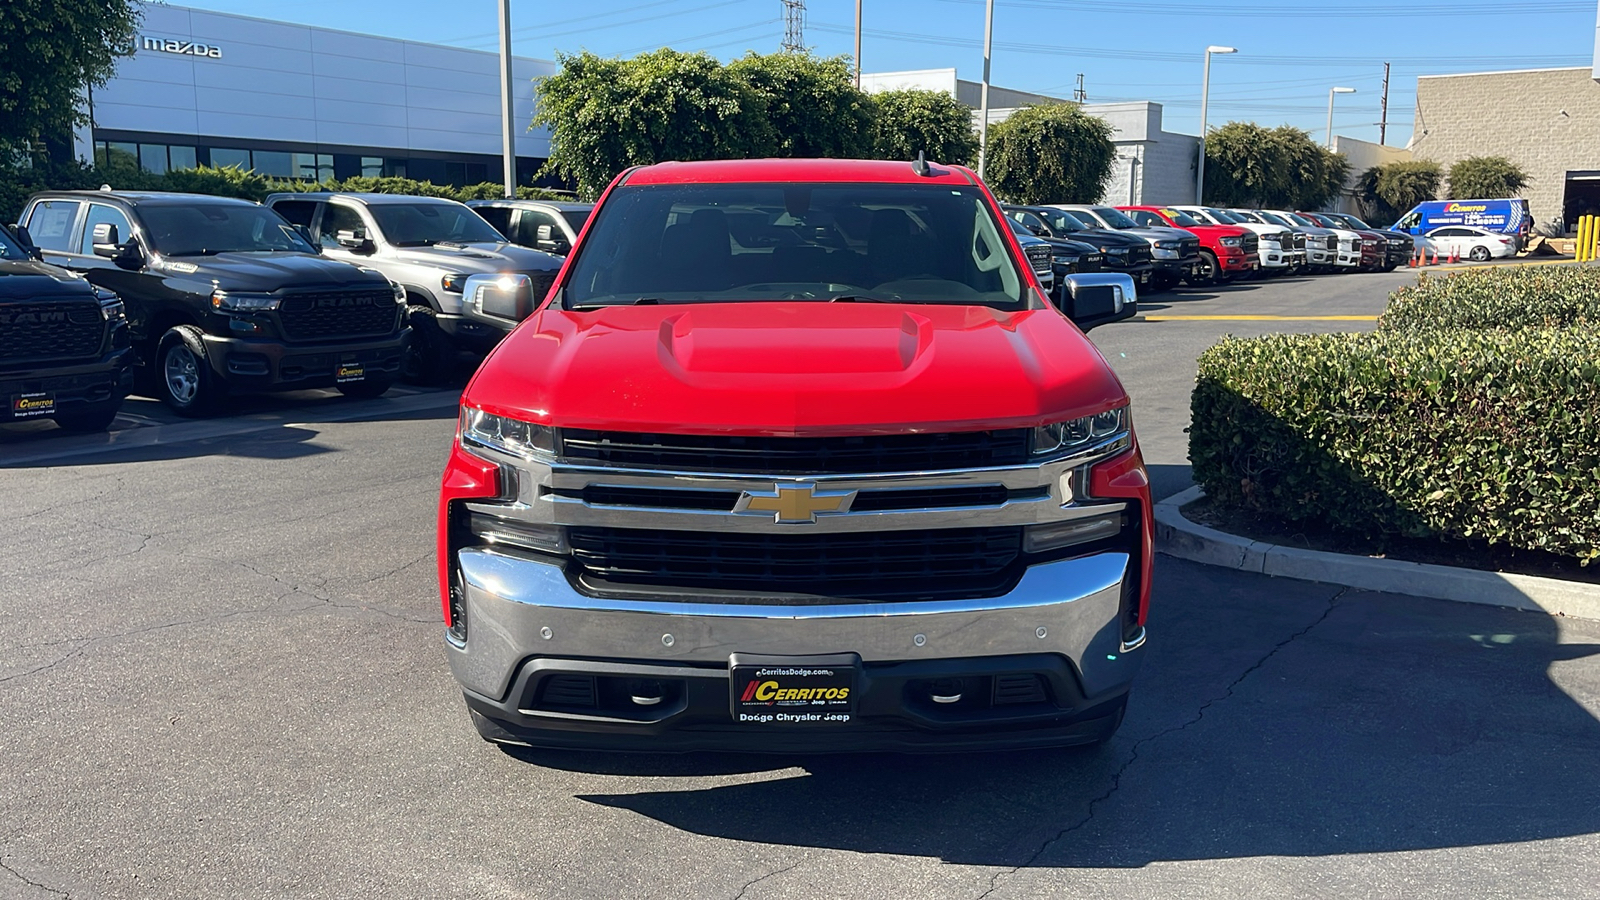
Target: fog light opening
945	690
646	693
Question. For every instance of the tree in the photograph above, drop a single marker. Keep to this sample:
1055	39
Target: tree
932	122
813	104
1054	153
50	50
1486	177
1248	165
608	114
1389	191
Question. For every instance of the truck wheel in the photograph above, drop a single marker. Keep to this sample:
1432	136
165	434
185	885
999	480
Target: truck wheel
432	355
87	422
187	383
1207	272
365	390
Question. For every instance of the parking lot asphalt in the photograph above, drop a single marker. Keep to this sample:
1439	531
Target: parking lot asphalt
221	676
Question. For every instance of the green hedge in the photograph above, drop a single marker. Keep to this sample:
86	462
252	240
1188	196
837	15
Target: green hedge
1507	297
1482	434
18	185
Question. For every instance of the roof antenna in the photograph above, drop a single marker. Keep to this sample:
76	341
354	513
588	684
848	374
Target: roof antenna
920	165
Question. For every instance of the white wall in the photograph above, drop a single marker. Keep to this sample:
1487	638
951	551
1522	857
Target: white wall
296	83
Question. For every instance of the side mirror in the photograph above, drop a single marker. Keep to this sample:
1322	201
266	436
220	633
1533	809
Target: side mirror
26	241
545	239
125	255
1037	230
1097	298
356	241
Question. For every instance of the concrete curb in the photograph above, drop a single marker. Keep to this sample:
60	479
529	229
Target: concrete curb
1177	536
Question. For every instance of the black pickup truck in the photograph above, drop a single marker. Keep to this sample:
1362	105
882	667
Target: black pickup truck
225	295
64	350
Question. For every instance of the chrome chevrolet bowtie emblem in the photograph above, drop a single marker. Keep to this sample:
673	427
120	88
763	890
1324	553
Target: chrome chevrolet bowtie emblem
794	504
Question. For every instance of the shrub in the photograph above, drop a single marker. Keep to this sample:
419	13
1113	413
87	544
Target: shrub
1054	153
1486	176
1390	191
1491	435
1544	297
931	122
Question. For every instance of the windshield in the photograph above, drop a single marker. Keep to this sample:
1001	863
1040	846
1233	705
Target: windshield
203	229
1059	221
576	218
718	243
1271	219
1115	218
1298	219
1180	218
1354	222
9	248
423	224
1225	217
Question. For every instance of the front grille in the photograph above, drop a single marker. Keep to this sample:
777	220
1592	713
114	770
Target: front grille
1333	242
1038	256
1189	248
1299	239
50	331
882	500
904	565
1252	243
326	315
797	455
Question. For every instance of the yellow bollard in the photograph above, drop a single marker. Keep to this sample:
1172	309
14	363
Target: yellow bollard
1578	245
1593	251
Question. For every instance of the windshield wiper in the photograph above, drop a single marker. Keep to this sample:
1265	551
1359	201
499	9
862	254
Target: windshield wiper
863	298
641	301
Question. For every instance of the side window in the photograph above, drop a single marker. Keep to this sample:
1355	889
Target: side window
528	227
336	218
498	216
1145	218
298	212
101	213
51	223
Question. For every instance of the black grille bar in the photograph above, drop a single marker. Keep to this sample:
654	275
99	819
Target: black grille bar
50	331
327	315
798	455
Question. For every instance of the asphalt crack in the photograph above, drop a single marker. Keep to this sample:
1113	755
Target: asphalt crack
1133	755
30	882
748	885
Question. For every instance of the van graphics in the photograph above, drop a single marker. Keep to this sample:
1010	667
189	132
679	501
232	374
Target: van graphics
182	48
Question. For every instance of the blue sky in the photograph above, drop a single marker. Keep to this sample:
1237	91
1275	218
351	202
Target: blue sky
1291	51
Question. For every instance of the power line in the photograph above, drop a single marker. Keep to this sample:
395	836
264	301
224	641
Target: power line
1275	10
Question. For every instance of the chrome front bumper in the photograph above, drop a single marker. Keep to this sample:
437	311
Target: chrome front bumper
519	610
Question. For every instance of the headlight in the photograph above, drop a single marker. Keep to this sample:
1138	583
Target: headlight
226	301
1233	242
112	308
1064	437
1272	238
507	435
1114	251
1164	253
1066	260
1168	245
453	282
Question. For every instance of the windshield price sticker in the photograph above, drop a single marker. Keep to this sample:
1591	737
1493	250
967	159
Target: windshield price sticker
29	406
793	695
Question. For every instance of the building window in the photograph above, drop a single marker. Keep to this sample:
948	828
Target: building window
153	158
274	163
115	153
311	166
221	157
181	157
371	166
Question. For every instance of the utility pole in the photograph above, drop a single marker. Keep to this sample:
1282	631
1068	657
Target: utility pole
1205	95
1080	95
508	138
1383	120
794	26
983	113
858	45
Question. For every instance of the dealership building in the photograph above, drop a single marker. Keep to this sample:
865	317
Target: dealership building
293	101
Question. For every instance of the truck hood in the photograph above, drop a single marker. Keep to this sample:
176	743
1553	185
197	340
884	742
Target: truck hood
27	279
790	368
1107	237
266	271
480	258
1153	233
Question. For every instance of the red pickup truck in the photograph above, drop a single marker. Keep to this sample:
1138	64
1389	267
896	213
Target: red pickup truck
1227	251
795	456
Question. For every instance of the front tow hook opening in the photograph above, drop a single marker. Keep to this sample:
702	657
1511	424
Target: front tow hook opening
945	691
1134	641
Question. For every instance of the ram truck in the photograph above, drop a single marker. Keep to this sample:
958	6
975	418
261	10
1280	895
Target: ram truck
64	349
1226	251
796	456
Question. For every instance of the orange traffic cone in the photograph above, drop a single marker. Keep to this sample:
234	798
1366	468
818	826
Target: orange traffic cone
1455	255
1435	257
1412	262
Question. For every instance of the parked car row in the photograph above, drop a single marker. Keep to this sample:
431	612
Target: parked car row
191	298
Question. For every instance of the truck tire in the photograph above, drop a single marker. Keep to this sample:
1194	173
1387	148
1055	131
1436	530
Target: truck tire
1207	273
87	422
365	390
186	382
431	358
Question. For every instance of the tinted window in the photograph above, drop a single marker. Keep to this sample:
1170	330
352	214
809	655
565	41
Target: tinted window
752	242
1145	218
528	227
498	216
51	223
576	218
1114	218
221	157
298	212
423	223
202	229
10	249
1181	218
100	213
336	218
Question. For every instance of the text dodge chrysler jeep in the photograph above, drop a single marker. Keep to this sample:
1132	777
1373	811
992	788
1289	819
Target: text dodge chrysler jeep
795	456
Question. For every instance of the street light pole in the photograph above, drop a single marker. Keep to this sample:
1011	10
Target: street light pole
1205	95
983	105
858	45
508	139
1331	92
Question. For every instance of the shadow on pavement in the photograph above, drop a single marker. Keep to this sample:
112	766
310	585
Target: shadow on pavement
1282	725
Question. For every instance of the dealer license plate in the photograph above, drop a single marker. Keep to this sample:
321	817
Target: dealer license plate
350	372
794	690
29	406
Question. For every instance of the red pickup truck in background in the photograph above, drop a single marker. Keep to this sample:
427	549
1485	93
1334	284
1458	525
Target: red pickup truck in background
796	455
1226	251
